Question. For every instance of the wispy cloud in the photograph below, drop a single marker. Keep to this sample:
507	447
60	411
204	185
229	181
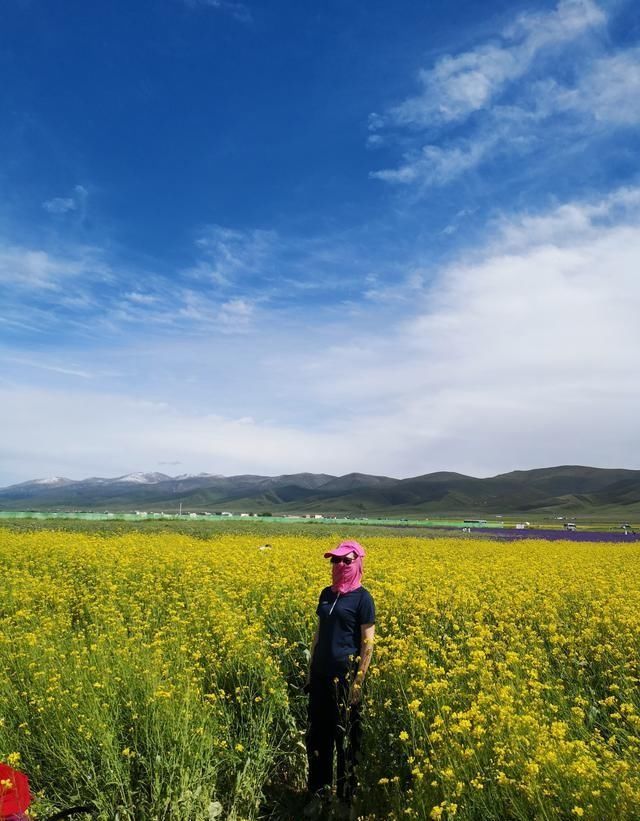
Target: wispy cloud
38	269
265	266
86	289
603	92
214	316
59	205
229	254
435	165
460	84
141	298
238	11
235	315
515	108
66	370
63	205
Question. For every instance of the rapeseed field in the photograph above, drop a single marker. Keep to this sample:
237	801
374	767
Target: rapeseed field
161	676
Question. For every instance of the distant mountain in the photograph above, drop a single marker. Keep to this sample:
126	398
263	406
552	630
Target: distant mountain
51	481
567	489
356	481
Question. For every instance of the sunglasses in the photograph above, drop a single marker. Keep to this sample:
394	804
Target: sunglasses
338	559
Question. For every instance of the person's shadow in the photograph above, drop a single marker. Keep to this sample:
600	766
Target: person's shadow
286	803
283	803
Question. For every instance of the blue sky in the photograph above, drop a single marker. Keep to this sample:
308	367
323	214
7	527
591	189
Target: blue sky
270	237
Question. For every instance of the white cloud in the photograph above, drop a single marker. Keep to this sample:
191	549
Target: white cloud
32	268
210	315
241	279
67	370
59	205
141	298
62	205
231	255
570	19
607	91
597	104
570	223
459	85
78	290
522	354
433	165
107	434
235	315
587	99
403	290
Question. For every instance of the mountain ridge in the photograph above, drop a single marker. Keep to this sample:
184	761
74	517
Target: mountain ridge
563	488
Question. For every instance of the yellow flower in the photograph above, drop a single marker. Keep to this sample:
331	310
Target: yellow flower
474	641
14	760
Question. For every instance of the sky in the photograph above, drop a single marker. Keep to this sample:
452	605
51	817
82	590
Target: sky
270	237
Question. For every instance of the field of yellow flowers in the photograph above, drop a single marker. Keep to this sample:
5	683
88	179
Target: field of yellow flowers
160	676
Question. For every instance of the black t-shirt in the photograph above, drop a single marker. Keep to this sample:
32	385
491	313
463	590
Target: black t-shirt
339	634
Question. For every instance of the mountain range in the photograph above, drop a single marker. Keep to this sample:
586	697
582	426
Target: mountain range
567	489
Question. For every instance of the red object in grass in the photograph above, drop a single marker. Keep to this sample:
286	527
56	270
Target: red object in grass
16	798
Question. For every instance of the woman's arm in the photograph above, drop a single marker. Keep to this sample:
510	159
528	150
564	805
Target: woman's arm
314	641
367	632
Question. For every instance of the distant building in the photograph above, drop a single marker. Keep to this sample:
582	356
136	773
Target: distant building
570	526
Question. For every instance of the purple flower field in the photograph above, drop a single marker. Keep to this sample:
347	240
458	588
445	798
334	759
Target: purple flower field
556	535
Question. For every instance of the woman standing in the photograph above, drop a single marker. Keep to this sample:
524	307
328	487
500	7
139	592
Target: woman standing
340	654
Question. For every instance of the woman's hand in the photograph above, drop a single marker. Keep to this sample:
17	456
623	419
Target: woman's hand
355	695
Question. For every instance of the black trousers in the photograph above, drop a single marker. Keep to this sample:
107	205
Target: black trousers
333	723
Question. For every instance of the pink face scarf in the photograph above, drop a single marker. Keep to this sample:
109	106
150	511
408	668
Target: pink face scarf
346	577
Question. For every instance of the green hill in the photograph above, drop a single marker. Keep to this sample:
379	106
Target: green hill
562	490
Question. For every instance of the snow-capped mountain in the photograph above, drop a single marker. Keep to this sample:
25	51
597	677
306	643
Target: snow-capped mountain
143	478
143	487
198	476
49	481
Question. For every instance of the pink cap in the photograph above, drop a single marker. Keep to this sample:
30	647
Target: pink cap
346	547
